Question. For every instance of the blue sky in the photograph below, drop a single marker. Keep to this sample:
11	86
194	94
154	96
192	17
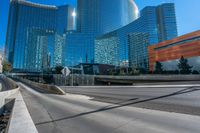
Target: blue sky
187	11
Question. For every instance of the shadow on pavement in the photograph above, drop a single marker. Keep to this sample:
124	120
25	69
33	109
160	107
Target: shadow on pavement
123	104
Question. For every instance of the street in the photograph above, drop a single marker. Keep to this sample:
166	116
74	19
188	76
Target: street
82	114
177	97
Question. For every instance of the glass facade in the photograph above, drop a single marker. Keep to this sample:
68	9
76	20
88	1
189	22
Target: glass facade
106	50
79	48
147	26
167	26
102	16
58	50
32	34
138	44
94	18
42	36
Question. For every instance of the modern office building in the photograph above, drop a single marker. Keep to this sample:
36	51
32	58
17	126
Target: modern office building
94	18
149	28
102	16
166	17
169	52
32	33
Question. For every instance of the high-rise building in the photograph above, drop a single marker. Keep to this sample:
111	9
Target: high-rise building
94	18
148	28
32	33
166	17
101	16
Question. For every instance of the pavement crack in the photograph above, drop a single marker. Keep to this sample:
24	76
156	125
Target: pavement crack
122	125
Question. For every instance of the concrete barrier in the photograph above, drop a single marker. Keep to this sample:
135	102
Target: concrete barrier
147	78
5	95
44	87
90	80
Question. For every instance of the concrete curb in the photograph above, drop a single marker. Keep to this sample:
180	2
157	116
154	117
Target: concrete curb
63	92
21	121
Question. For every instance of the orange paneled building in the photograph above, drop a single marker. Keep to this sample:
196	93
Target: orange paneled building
187	46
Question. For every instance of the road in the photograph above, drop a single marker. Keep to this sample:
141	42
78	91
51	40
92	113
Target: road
80	114
4	84
179	98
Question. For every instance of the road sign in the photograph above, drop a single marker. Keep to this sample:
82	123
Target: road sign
65	71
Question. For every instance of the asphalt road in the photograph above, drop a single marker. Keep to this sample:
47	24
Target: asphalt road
179	97
80	114
4	84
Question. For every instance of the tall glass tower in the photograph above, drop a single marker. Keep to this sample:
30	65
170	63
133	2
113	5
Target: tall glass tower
155	24
33	30
94	18
167	26
101	16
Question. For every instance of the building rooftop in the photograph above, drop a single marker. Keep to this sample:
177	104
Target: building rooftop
180	38
28	3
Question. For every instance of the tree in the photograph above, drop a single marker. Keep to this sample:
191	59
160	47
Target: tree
58	69
158	68
195	72
7	67
184	67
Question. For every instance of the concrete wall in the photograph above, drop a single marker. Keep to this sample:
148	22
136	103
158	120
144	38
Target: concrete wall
154	77
146	78
4	95
44	87
89	80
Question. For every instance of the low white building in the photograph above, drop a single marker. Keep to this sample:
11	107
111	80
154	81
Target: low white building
1	61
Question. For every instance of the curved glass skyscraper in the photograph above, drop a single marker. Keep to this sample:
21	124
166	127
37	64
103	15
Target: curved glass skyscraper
35	33
94	18
101	16
128	45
